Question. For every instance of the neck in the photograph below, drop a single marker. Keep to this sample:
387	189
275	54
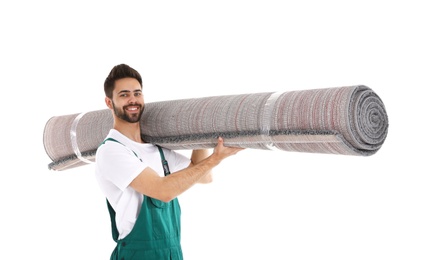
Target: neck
130	130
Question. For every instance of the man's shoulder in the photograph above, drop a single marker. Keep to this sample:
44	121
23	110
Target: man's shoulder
117	137
110	143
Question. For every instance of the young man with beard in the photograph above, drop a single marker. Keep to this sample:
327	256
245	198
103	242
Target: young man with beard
142	181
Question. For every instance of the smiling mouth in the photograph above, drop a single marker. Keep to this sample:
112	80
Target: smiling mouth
132	108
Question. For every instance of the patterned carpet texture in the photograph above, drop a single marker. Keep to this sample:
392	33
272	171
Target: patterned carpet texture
349	120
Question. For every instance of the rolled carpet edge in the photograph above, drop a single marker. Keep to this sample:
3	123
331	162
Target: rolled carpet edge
281	140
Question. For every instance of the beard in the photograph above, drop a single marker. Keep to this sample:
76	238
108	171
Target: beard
128	117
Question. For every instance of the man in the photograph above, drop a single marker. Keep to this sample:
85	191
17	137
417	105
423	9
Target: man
142	181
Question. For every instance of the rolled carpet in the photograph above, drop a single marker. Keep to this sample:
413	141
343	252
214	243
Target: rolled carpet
343	120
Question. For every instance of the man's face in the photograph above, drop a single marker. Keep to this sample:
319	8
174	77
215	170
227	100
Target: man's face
128	100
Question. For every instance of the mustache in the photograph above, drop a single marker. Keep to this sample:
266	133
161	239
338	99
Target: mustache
132	105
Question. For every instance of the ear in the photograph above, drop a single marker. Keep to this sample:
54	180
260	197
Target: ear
109	102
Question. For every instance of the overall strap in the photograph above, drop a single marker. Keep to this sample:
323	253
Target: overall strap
164	161
114	140
114	230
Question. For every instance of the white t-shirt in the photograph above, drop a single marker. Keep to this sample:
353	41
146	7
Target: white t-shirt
117	166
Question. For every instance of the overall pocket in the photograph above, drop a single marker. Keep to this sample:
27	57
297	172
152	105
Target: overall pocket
165	218
159	203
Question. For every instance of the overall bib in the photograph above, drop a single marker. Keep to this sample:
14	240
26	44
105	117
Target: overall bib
156	234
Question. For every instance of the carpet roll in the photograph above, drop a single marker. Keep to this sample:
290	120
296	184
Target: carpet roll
344	120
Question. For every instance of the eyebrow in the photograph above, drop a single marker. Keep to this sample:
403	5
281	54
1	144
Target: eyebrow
127	91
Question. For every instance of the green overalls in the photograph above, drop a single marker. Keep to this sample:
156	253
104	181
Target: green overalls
156	234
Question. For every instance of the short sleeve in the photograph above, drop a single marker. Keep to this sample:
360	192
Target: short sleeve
177	161
118	164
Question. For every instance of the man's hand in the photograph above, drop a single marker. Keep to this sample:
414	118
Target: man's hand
221	152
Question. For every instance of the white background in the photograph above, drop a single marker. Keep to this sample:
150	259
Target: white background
55	55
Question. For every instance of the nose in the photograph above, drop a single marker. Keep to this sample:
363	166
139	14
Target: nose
132	99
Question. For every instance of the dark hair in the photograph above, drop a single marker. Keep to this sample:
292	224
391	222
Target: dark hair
119	72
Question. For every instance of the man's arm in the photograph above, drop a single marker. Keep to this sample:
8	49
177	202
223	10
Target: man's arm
167	188
198	156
